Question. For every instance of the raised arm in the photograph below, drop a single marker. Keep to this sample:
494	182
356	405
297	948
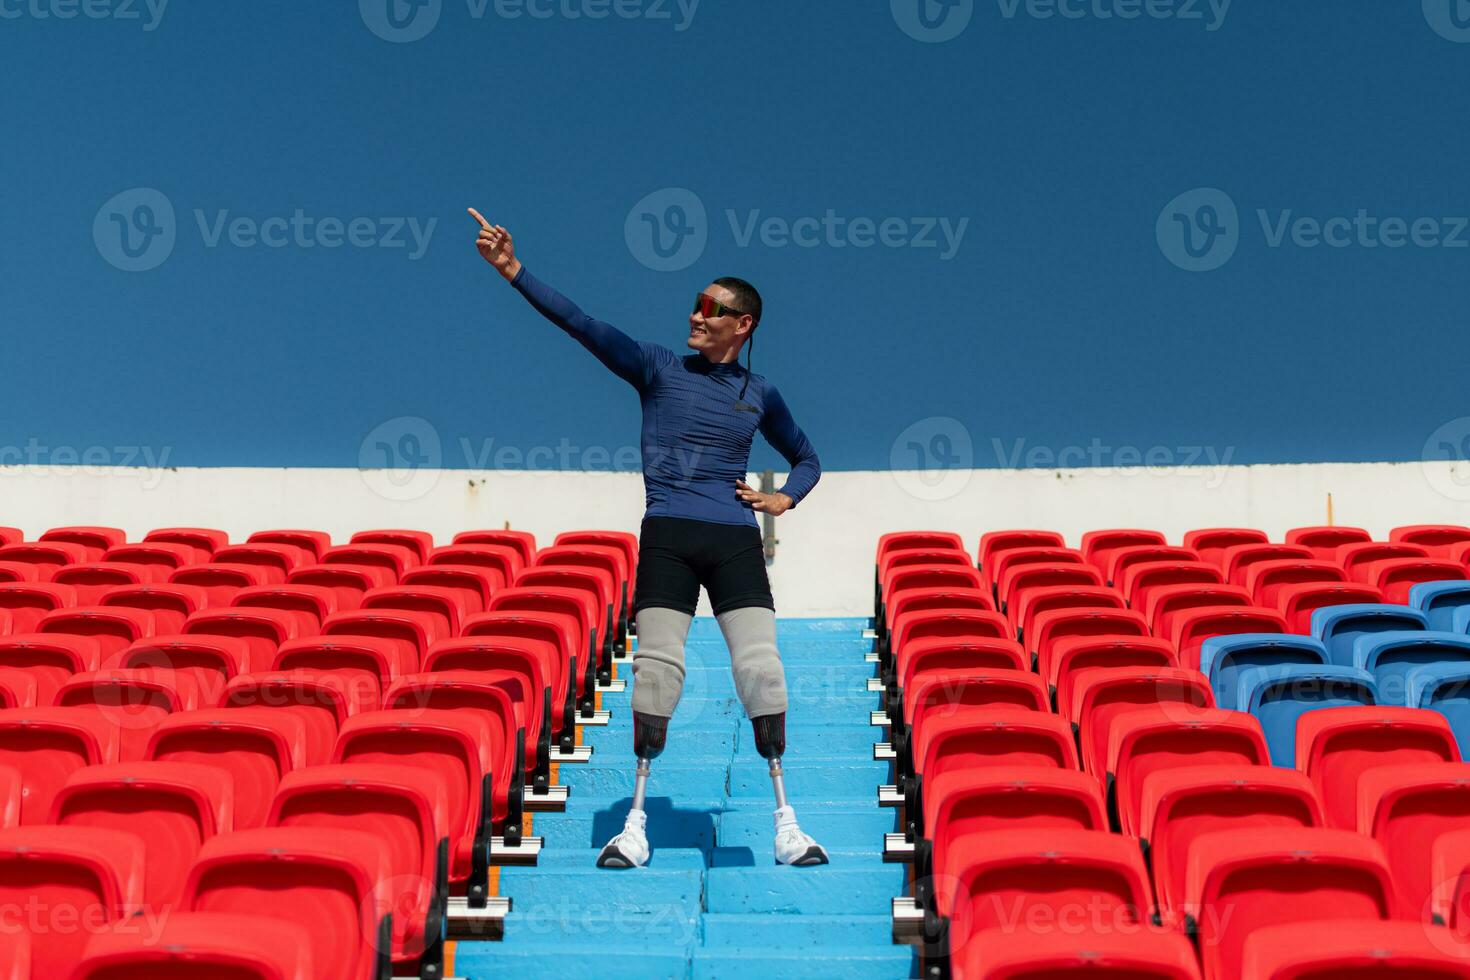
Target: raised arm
624	356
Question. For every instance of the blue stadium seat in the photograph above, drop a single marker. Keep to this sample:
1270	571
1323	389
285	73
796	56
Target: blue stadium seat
1461	622
1339	626
1440	601
1445	688
1390	656
1279	695
1222	658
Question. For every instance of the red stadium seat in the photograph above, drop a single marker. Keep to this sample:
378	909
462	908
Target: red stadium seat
474	584
967	653
263	629
1166	603
993	543
406	809
1012	558
27	602
1142	577
18	689
1180	804
96	540
1264	580
910	577
1237	560
203	541
333	693
1020	579
523	542
1343	948
554	630
114	627
367	664
276	561
1336	746
220	582
1405	808
949	597
391	558
1123	559
1355	558
523	667
309	605
46	745
189	945
49	659
173	807
348	582
1073	657
160	556
11	535
1051	628
15	571
209	660
941	693
1192	627
503	559
133	700
1298	602
170	604
314	543
1005	954
1098	695
326	880
1038	601
1394	577
1210	543
951	623
582	606
608	558
995	798
1097	546
413	630
445	606
1017	879
44	557
1148	739
1323	542
1437	538
419	542
1241	880
1449	869
76	881
256	746
92	580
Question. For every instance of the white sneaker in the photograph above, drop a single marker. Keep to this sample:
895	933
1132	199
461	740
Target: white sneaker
792	845
630	848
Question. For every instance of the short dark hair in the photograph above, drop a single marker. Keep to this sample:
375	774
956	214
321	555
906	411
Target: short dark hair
747	299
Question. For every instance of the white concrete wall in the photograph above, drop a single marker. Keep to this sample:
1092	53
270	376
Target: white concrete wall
824	562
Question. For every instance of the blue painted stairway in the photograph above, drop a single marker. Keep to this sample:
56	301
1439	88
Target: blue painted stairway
712	902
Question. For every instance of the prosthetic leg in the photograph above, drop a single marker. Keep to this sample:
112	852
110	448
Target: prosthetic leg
793	846
629	849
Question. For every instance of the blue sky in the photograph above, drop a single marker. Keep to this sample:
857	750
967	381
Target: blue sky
959	241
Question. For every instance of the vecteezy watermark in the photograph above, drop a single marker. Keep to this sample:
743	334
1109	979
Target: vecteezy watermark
405	21
137	230
933	459
147	463
669	229
935	21
148	13
1208	463
1200	230
403	458
1450	19
1446	459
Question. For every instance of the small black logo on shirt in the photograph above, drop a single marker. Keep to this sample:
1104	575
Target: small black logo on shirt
742	407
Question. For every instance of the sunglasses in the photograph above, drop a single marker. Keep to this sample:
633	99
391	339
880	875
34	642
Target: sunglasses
708	308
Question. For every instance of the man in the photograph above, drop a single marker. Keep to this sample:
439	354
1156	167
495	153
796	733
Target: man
700	414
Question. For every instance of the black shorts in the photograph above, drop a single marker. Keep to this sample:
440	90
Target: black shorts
677	555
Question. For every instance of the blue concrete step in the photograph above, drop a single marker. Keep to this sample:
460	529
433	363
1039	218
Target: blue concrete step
795	931
805	963
858	827
542	892
572	961
815	780
861	889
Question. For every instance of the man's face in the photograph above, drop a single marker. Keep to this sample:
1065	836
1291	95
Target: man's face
718	333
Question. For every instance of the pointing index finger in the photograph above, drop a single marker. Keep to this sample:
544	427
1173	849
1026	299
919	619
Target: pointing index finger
480	218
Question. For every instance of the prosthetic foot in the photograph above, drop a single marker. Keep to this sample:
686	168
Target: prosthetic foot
792	845
630	849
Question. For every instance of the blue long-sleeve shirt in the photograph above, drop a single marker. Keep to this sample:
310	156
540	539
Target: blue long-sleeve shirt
696	441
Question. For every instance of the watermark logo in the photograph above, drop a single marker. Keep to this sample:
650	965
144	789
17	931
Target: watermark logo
1210	13
135	231
667	230
1450	19
401	21
400	459
932	21
147	12
932	459
1199	230
1446	459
